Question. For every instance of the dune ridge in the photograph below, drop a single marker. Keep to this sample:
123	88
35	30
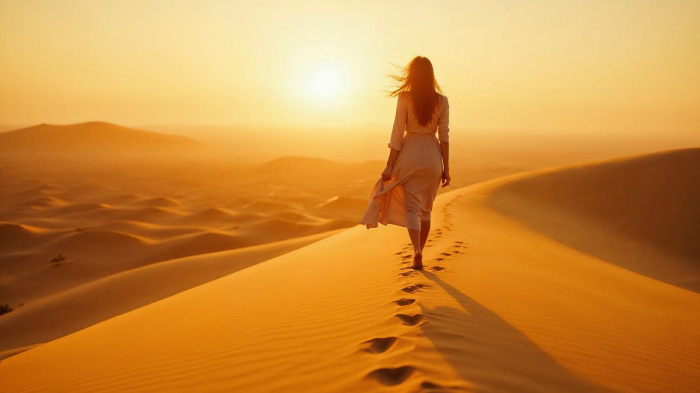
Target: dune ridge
75	232
499	307
640	212
84	305
86	138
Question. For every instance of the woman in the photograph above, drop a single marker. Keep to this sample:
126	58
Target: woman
418	161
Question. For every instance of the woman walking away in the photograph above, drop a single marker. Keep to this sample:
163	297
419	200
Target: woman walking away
418	161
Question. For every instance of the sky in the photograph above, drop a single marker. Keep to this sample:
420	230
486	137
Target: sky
578	67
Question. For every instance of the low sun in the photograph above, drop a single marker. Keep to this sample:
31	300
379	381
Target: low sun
324	84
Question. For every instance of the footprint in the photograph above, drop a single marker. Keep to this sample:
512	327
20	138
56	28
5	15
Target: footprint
405	302
439	259
381	344
437	268
406	257
398	253
412	288
407	274
410	320
392	376
430	385
447	254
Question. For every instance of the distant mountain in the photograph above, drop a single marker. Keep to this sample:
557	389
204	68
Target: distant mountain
92	138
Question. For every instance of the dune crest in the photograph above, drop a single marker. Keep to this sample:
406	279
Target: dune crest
640	212
90	138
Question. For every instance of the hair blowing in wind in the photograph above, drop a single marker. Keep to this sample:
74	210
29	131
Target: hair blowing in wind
418	78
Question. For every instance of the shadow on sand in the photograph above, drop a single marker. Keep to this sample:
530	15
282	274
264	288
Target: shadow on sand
492	355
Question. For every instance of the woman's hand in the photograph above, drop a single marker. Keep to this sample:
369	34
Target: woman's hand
386	175
446	178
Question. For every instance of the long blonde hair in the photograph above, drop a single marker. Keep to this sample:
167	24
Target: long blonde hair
418	78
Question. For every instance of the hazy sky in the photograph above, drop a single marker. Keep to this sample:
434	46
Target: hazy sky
574	66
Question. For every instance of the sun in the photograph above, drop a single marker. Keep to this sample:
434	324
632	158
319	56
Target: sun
321	82
324	84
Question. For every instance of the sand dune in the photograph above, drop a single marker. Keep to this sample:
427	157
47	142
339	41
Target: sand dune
300	166
280	228
89	251
160	202
330	207
65	224
295	216
82	209
45	202
268	206
84	305
151	214
89	138
148	230
221	216
102	243
17	236
199	243
500	307
42	189
641	213
124	199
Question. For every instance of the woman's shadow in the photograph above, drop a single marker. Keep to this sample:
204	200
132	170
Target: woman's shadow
492	355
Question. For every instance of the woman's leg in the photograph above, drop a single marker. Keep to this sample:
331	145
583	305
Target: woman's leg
424	230
414	234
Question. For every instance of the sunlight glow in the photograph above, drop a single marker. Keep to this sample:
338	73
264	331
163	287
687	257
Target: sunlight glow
324	84
575	67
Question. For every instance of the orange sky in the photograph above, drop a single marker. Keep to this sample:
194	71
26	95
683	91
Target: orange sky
575	66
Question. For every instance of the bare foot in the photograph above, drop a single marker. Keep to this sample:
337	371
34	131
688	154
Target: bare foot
418	261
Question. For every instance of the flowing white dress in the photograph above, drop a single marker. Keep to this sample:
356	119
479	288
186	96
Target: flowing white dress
407	198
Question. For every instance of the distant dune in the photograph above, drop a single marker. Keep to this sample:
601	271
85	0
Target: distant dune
293	167
92	138
67	224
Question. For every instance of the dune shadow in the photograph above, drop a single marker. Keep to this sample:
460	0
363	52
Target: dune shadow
491	354
639	213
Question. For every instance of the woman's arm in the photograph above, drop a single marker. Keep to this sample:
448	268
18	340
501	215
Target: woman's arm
386	175
444	137
445	149
396	139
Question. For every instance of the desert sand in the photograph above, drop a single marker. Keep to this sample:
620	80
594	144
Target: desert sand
518	294
105	227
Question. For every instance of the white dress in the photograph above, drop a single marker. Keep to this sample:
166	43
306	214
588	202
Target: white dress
407	198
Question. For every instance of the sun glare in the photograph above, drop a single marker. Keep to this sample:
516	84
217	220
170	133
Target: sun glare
324	84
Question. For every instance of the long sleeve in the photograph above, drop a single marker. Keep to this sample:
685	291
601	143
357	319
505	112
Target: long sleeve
444	123
399	124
